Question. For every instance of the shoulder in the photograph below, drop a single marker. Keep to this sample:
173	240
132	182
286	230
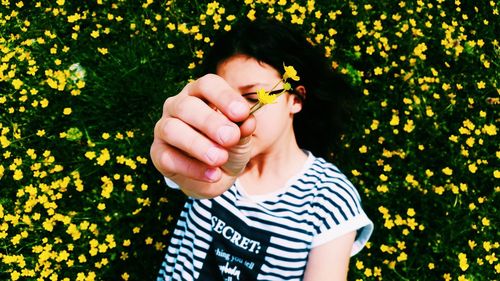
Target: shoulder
325	181
327	170
332	182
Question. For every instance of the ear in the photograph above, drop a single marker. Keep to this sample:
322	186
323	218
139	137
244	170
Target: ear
297	99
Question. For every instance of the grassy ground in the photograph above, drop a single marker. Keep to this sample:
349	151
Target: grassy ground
82	85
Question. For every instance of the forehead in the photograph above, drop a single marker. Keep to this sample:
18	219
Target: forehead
240	71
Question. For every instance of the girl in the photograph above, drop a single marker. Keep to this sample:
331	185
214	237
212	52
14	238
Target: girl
263	204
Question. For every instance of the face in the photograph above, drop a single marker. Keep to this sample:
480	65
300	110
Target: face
274	121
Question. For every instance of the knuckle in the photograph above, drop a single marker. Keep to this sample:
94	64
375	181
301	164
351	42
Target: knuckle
195	143
169	102
153	153
207	82
190	167
210	77
167	127
158	152
157	129
165	163
213	121
203	84
181	107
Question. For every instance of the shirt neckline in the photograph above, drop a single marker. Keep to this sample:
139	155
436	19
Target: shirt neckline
268	196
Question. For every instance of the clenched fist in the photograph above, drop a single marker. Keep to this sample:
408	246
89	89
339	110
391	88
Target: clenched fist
203	139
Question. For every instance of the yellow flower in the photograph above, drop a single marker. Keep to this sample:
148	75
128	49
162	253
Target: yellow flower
490	129
90	154
370	50
439	190
368	272
103	51
18	175
462	258
409	126
15	275
290	72
447	171
265	98
359	265
472	168
429	173
103	157
67	111
487	246
491	258
410	212
382	188
17	84
402	257
251	15
394	120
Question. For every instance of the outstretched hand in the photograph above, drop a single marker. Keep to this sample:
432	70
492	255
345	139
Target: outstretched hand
203	139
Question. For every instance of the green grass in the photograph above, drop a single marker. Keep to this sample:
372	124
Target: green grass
428	72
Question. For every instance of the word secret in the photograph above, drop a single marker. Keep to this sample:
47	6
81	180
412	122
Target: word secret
228	232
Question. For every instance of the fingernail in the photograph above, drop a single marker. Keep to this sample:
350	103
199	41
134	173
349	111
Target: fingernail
212	154
225	133
237	108
212	174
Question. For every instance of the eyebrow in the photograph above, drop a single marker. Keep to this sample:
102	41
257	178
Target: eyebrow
249	86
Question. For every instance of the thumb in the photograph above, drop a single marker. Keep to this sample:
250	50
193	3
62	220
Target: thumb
239	155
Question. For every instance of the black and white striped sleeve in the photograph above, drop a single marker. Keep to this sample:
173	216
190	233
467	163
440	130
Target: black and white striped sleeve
338	211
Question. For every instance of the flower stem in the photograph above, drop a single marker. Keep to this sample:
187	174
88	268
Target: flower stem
258	105
255	107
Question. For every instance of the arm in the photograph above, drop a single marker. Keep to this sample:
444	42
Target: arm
330	261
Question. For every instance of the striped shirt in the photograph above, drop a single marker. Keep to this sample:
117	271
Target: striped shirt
236	236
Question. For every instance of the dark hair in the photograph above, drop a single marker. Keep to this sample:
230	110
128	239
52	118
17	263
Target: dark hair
318	125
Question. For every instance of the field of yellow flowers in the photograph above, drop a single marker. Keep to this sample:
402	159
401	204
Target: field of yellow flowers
82	84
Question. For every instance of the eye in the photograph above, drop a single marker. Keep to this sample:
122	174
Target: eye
251	98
